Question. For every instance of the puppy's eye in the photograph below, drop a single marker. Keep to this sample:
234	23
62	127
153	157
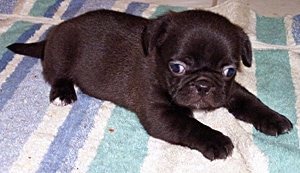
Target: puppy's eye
229	71
177	67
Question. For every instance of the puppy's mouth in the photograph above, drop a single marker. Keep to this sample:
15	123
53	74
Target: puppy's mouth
205	104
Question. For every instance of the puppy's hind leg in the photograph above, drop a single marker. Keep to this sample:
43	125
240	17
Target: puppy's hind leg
62	92
57	65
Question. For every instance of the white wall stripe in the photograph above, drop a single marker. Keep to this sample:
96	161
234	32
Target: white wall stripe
87	153
30	158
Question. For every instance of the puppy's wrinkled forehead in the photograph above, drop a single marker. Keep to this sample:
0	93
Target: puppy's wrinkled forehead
203	50
206	40
201	47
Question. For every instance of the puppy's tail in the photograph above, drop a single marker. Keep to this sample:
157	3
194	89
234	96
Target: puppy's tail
30	49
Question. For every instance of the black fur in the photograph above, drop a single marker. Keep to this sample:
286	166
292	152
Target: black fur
160	69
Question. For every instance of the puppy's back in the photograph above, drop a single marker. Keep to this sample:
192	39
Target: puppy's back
98	51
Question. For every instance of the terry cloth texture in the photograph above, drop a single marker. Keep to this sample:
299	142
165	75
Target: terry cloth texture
96	136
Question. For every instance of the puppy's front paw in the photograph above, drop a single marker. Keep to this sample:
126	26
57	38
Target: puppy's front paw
274	124
216	146
62	102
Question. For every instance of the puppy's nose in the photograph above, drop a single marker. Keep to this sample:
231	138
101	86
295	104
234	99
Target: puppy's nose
203	87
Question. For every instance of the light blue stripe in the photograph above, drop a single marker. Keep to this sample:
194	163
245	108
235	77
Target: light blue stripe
72	9
7	6
123	149
96	4
81	134
136	8
296	29
12	82
71	136
275	88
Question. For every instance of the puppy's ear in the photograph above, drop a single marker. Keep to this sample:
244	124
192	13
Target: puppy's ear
155	33
246	50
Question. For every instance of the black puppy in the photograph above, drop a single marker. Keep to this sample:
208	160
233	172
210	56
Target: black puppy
160	69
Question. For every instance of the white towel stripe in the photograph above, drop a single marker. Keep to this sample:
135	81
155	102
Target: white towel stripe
23	7
264	46
30	158
120	6
10	68
31	19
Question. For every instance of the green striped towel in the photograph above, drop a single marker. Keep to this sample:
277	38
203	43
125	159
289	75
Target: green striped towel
97	136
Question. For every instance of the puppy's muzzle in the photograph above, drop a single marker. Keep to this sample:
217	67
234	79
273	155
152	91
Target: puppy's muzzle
203	87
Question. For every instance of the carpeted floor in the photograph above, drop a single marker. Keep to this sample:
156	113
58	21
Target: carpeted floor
97	136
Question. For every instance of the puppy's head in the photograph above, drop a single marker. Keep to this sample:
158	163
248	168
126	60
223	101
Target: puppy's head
197	54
